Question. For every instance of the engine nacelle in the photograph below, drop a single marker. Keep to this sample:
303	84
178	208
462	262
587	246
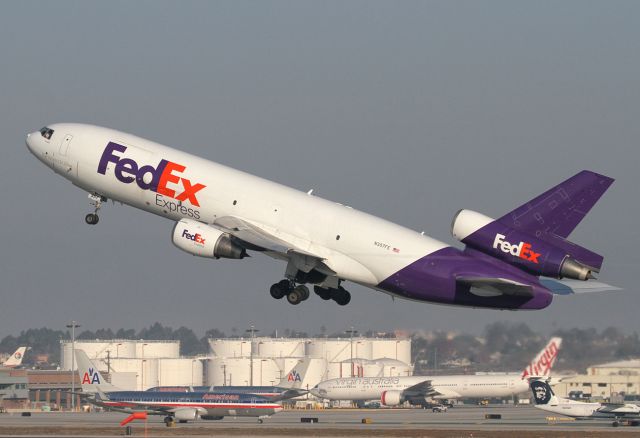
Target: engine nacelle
391	398
532	254
204	241
186	414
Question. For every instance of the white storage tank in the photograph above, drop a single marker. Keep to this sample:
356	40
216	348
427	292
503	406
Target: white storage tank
157	349
333	350
180	372
95	349
230	347
361	348
393	368
272	348
146	371
265	372
228	371
399	349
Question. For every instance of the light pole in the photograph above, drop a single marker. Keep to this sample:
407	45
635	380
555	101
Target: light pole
73	327
252	331
351	333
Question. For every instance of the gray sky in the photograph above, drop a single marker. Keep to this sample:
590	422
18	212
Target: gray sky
407	110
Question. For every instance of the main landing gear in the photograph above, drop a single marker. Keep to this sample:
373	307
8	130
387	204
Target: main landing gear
297	294
95	200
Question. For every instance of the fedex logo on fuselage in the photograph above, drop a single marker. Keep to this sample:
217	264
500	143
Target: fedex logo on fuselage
91	377
522	250
197	238
157	179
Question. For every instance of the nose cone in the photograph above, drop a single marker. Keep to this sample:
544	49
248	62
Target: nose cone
315	391
31	142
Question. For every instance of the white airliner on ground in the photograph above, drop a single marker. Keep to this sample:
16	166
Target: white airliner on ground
418	390
15	359
546	400
222	212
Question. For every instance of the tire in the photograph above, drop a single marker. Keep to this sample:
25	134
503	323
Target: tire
294	297
277	292
91	218
303	291
323	293
341	296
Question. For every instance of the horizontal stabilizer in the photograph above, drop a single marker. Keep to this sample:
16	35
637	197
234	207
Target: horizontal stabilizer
489	287
570	287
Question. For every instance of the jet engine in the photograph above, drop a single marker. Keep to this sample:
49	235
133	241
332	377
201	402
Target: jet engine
202	240
186	414
547	255
391	398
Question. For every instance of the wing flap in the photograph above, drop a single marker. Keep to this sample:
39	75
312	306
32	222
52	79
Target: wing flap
488	287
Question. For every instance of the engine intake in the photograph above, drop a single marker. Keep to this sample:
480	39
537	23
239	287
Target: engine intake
391	398
202	240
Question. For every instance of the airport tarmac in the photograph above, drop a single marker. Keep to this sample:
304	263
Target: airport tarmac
520	421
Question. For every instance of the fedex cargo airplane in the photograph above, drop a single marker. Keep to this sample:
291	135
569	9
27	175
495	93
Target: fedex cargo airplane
419	390
517	261
181	406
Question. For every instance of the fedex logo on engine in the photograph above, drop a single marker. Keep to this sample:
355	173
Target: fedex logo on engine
197	238
163	179
522	250
91	377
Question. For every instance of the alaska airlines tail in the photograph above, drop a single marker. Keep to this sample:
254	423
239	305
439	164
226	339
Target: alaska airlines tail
542	393
90	378
533	236
296	376
541	365
16	358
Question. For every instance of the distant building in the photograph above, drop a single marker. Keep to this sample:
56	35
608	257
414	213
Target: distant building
603	381
14	392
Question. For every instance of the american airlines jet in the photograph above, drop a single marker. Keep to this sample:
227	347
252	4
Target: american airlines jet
515	262
418	390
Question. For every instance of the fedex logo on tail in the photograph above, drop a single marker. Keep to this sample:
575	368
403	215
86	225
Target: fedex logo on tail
541	365
163	179
91	377
522	250
294	376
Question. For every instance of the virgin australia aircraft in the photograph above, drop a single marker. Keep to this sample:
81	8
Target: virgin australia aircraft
222	212
420	390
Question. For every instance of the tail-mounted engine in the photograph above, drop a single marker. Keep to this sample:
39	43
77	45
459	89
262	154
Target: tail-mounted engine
551	256
202	240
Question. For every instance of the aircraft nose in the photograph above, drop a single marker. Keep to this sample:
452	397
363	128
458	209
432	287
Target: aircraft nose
30	141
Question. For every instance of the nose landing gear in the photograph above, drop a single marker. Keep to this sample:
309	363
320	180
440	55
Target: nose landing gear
96	200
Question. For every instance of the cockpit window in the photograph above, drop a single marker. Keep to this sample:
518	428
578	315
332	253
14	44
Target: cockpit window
46	132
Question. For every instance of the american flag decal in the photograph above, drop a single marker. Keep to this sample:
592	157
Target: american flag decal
396	250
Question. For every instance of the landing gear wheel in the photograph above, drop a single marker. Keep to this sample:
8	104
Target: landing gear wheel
91	218
169	421
323	293
294	297
260	420
280	289
341	296
303	291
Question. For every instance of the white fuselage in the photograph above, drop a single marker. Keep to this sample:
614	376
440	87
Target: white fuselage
578	409
357	246
448	387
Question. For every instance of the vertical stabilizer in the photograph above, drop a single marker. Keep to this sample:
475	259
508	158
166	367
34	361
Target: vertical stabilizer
16	358
542	393
541	365
296	375
90	378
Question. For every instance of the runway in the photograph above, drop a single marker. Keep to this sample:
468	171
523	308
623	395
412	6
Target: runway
519	421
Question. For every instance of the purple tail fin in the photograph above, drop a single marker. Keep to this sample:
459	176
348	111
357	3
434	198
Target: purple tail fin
560	209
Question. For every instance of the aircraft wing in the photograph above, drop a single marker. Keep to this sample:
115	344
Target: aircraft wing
488	287
570	287
619	408
422	389
258	238
288	394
